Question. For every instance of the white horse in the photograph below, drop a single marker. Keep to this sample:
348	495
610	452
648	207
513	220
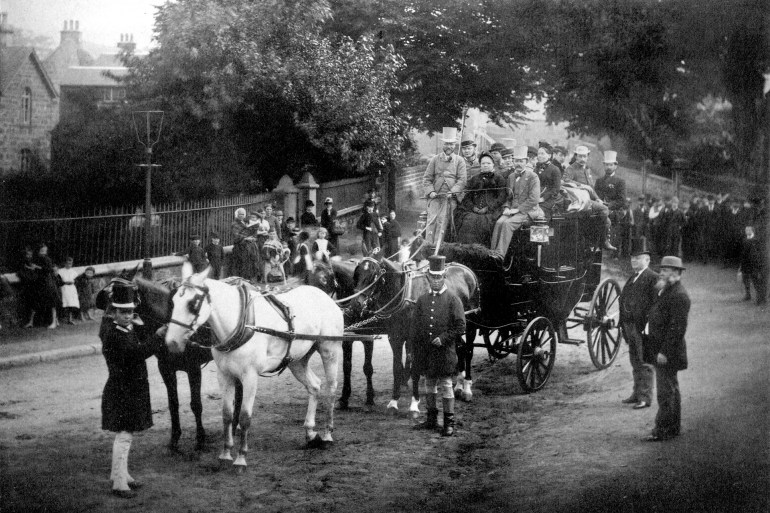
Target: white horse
244	355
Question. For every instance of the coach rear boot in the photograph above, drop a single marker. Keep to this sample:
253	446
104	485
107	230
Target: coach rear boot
449	417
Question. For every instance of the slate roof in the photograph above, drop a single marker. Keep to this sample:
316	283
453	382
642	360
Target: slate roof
12	59
92	76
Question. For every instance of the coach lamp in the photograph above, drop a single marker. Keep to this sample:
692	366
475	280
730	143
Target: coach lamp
540	232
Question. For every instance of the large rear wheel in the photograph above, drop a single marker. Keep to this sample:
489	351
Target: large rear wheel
537	353
602	324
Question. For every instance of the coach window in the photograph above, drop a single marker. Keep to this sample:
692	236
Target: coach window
25	162
26	106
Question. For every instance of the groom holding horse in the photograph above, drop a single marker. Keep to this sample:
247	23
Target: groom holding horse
439	323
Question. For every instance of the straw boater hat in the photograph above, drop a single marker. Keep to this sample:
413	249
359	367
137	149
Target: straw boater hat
610	157
449	135
582	150
639	246
672	262
437	265
328	200
520	152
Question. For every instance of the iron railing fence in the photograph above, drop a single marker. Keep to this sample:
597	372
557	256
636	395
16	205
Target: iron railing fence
115	234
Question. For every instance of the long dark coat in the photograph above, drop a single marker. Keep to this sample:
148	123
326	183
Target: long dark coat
668	324
126	397
439	316
637	298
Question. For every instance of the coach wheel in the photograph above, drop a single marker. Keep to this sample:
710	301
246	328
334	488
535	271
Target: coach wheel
602	324
499	343
537	353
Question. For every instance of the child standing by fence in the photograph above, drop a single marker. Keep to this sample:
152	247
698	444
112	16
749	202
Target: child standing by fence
87	289
216	255
69	293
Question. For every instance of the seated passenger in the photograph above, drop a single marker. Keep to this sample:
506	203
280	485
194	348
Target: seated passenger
583	197
485	194
550	178
522	206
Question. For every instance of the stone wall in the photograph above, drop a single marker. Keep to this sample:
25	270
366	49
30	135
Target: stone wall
35	136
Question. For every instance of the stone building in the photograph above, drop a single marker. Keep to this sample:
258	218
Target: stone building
29	106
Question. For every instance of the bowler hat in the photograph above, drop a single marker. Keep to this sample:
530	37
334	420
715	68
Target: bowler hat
639	246
309	203
672	262
467	142
506	152
497	147
560	149
437	265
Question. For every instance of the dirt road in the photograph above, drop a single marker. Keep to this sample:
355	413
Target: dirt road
570	447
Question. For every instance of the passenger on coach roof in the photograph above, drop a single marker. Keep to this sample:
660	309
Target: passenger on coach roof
444	180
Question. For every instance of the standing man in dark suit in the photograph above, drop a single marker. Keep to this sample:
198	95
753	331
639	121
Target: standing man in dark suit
638	295
667	323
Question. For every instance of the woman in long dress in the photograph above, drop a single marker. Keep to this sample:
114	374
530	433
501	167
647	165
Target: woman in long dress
243	241
485	194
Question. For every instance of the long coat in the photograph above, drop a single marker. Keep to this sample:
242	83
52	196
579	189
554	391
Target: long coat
437	315
668	324
126	397
637	298
612	190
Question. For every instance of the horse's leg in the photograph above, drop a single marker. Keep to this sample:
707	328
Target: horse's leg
227	389
249	384
368	371
194	378
169	379
347	362
470	337
396	346
330	356
414	405
238	403
307	377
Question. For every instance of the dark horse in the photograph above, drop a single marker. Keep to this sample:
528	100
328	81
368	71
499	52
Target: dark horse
155	304
337	279
387	291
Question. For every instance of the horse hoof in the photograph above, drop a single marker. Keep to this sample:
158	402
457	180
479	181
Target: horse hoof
326	445
315	442
239	469
392	407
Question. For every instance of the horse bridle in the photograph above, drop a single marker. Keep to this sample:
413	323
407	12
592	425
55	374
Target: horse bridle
194	306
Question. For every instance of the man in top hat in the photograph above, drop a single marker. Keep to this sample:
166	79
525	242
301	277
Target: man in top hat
439	323
666	348
468	150
522	206
636	299
126	406
611	188
444	179
578	171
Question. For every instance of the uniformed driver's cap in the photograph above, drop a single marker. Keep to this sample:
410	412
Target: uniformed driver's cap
437	265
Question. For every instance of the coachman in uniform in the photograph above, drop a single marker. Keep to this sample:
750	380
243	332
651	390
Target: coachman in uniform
638	295
667	323
126	404
439	322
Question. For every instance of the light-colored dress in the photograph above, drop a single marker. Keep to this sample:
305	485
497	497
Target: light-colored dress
69	293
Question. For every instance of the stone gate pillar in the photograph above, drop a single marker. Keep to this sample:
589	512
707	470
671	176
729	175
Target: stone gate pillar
288	195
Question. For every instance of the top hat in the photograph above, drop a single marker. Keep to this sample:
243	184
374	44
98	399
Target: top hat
506	152
520	152
672	262
328	200
449	135
497	147
437	265
123	294
582	150
639	246
467	142
610	157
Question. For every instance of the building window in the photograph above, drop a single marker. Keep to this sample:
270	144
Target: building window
26	106
25	163
113	94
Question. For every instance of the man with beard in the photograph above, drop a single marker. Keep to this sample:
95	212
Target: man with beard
611	188
550	178
667	324
579	171
522	206
468	150
443	181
